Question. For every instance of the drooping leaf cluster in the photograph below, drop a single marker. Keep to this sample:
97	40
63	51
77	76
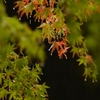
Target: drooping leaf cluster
18	81
59	18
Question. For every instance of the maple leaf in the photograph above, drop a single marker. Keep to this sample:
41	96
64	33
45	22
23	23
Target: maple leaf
89	58
87	72
39	13
51	18
79	40
61	44
24	9
21	13
57	25
94	75
43	13
62	52
74	50
19	4
47	32
61	48
82	60
54	46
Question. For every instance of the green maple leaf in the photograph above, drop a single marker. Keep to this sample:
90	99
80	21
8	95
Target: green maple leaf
94	76
94	73
57	25
12	94
47	32
79	40
1	77
44	86
3	93
38	68
74	50
82	60
20	63
87	72
47	12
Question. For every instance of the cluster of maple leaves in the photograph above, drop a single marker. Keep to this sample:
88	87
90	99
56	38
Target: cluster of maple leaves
56	31
85	59
52	22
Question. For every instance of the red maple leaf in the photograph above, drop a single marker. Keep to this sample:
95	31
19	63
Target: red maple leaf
61	44
53	47
62	52
61	48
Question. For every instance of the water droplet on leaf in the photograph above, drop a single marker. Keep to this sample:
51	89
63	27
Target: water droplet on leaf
93	81
13	8
29	21
85	79
13	80
24	6
5	1
48	49
47	22
19	18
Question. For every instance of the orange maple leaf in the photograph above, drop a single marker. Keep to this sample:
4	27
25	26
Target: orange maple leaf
53	47
89	58
62	52
61	44
61	48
